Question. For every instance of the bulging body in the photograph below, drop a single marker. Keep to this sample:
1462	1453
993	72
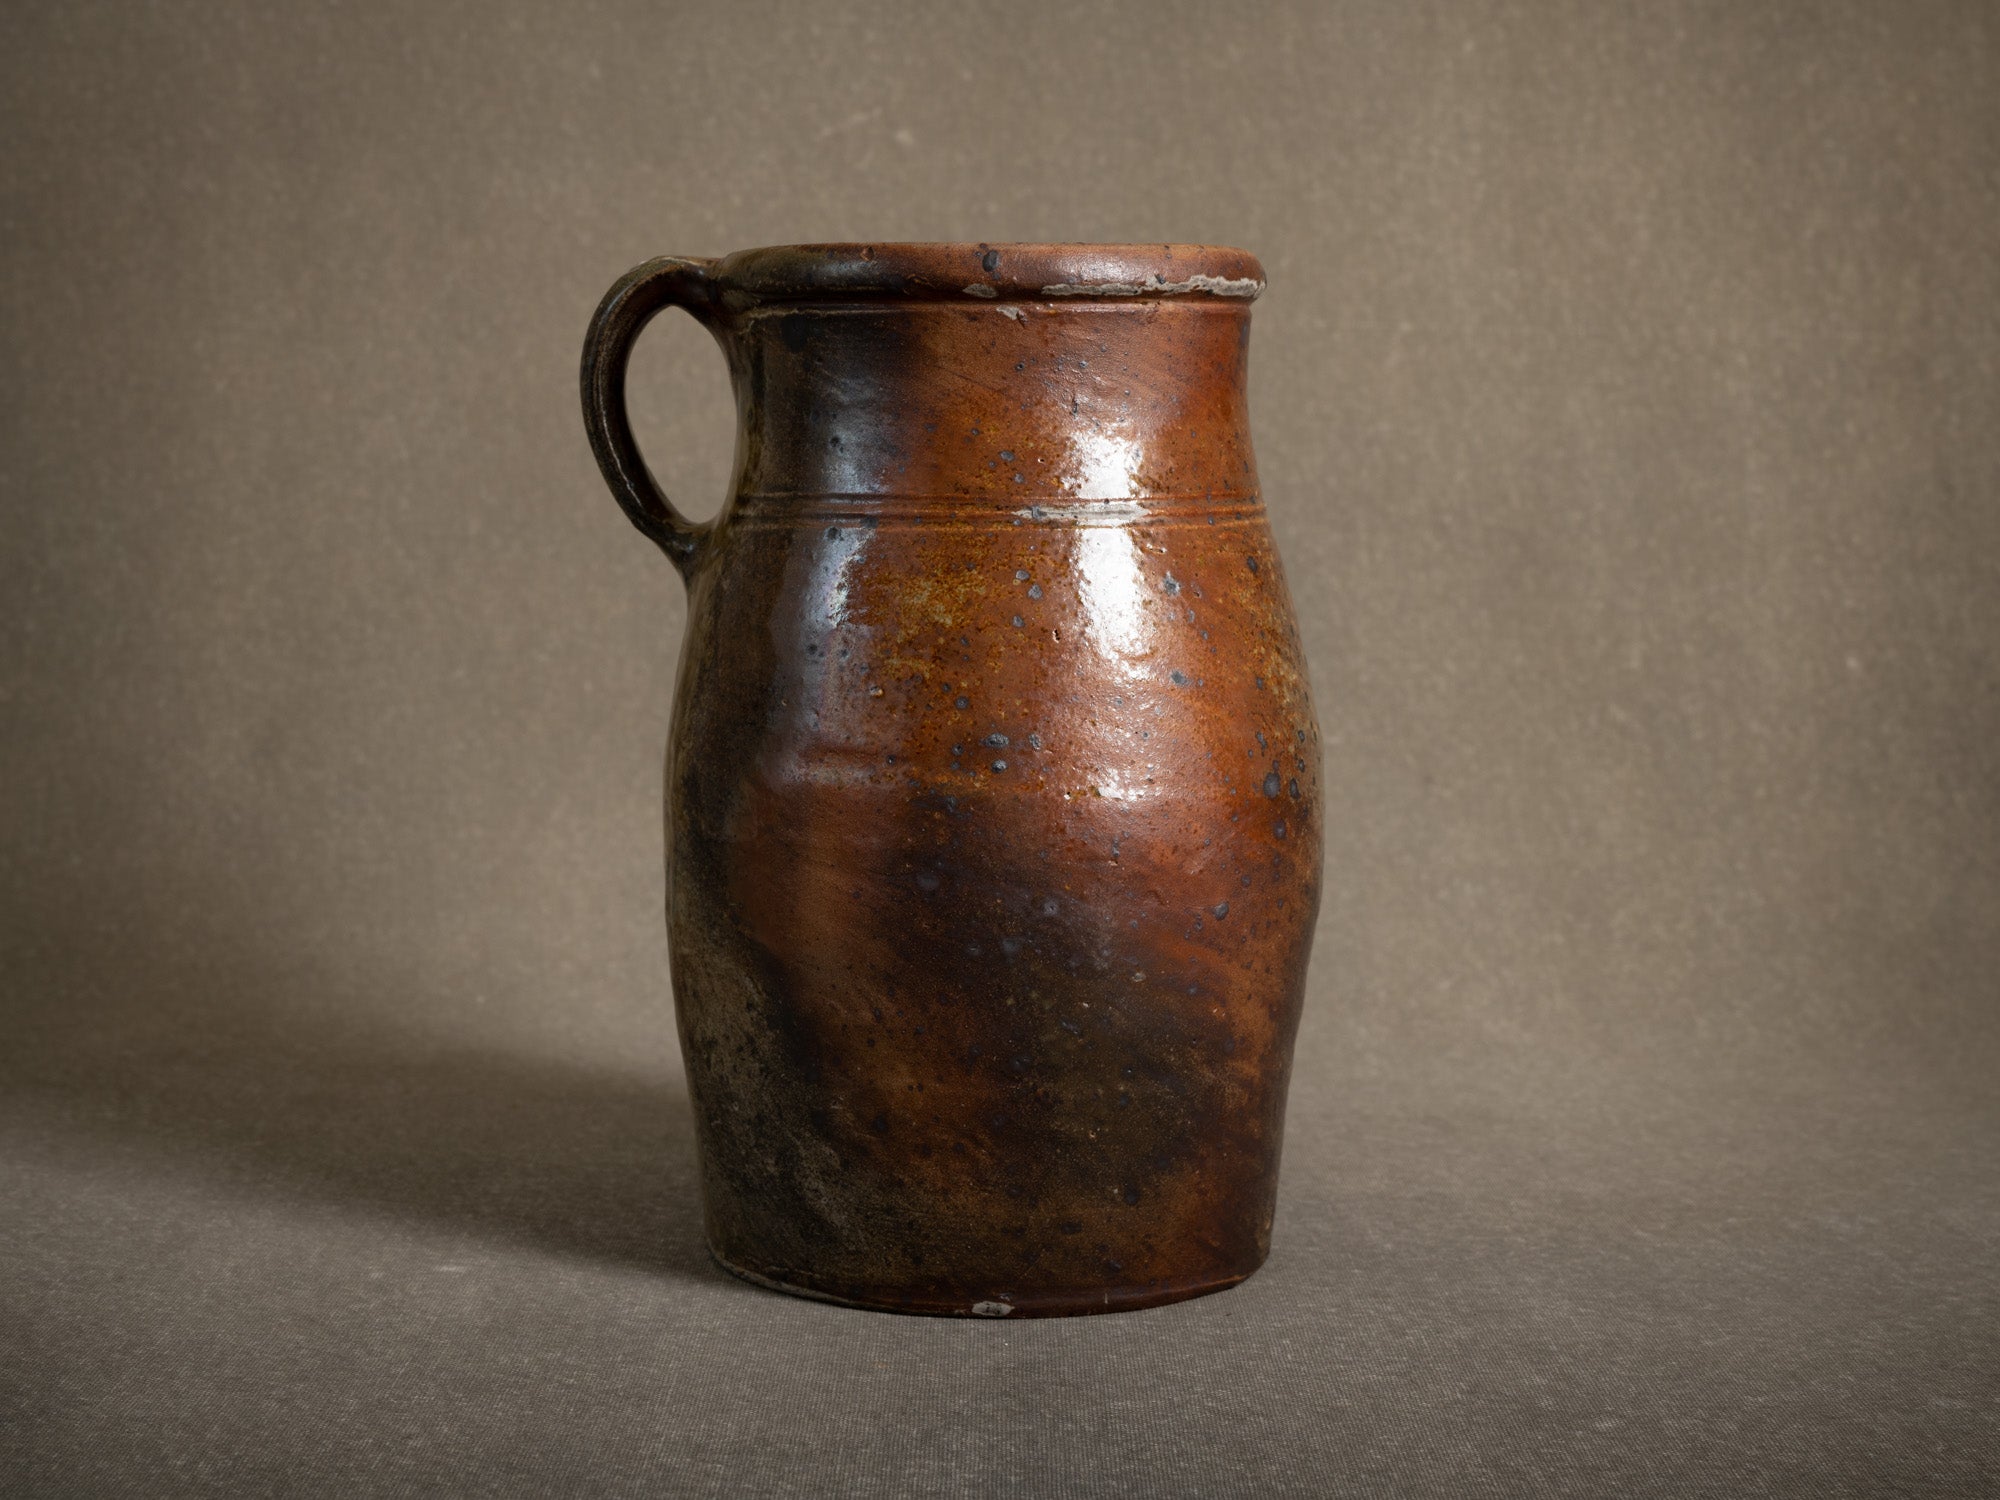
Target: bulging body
993	787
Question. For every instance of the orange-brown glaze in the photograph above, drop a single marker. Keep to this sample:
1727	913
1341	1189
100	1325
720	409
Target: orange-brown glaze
993	786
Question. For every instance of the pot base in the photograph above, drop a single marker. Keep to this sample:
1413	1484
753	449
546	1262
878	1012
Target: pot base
994	1305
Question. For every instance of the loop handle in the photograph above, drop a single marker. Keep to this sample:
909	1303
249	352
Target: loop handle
633	301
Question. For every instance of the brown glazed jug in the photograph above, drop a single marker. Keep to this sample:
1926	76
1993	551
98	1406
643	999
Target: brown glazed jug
993	796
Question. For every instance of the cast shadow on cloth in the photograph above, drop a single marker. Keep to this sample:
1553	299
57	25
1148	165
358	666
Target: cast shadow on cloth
273	1079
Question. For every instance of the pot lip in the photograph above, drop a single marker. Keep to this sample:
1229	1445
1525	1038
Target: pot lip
971	273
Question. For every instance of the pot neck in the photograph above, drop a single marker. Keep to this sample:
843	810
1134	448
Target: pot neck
1021	402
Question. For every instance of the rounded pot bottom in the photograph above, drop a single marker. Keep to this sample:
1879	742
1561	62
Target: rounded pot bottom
930	1303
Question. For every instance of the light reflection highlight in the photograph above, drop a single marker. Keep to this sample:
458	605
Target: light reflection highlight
1112	587
1104	466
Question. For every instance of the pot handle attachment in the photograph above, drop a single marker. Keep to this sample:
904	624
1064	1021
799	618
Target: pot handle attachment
632	303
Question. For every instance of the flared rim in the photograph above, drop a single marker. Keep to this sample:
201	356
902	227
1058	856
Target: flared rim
989	272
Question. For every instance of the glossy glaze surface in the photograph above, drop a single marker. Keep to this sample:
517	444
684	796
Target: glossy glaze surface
993	790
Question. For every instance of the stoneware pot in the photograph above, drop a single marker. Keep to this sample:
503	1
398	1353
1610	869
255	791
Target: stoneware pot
993	799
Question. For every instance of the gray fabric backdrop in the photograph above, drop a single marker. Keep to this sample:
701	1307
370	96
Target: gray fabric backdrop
1628	401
